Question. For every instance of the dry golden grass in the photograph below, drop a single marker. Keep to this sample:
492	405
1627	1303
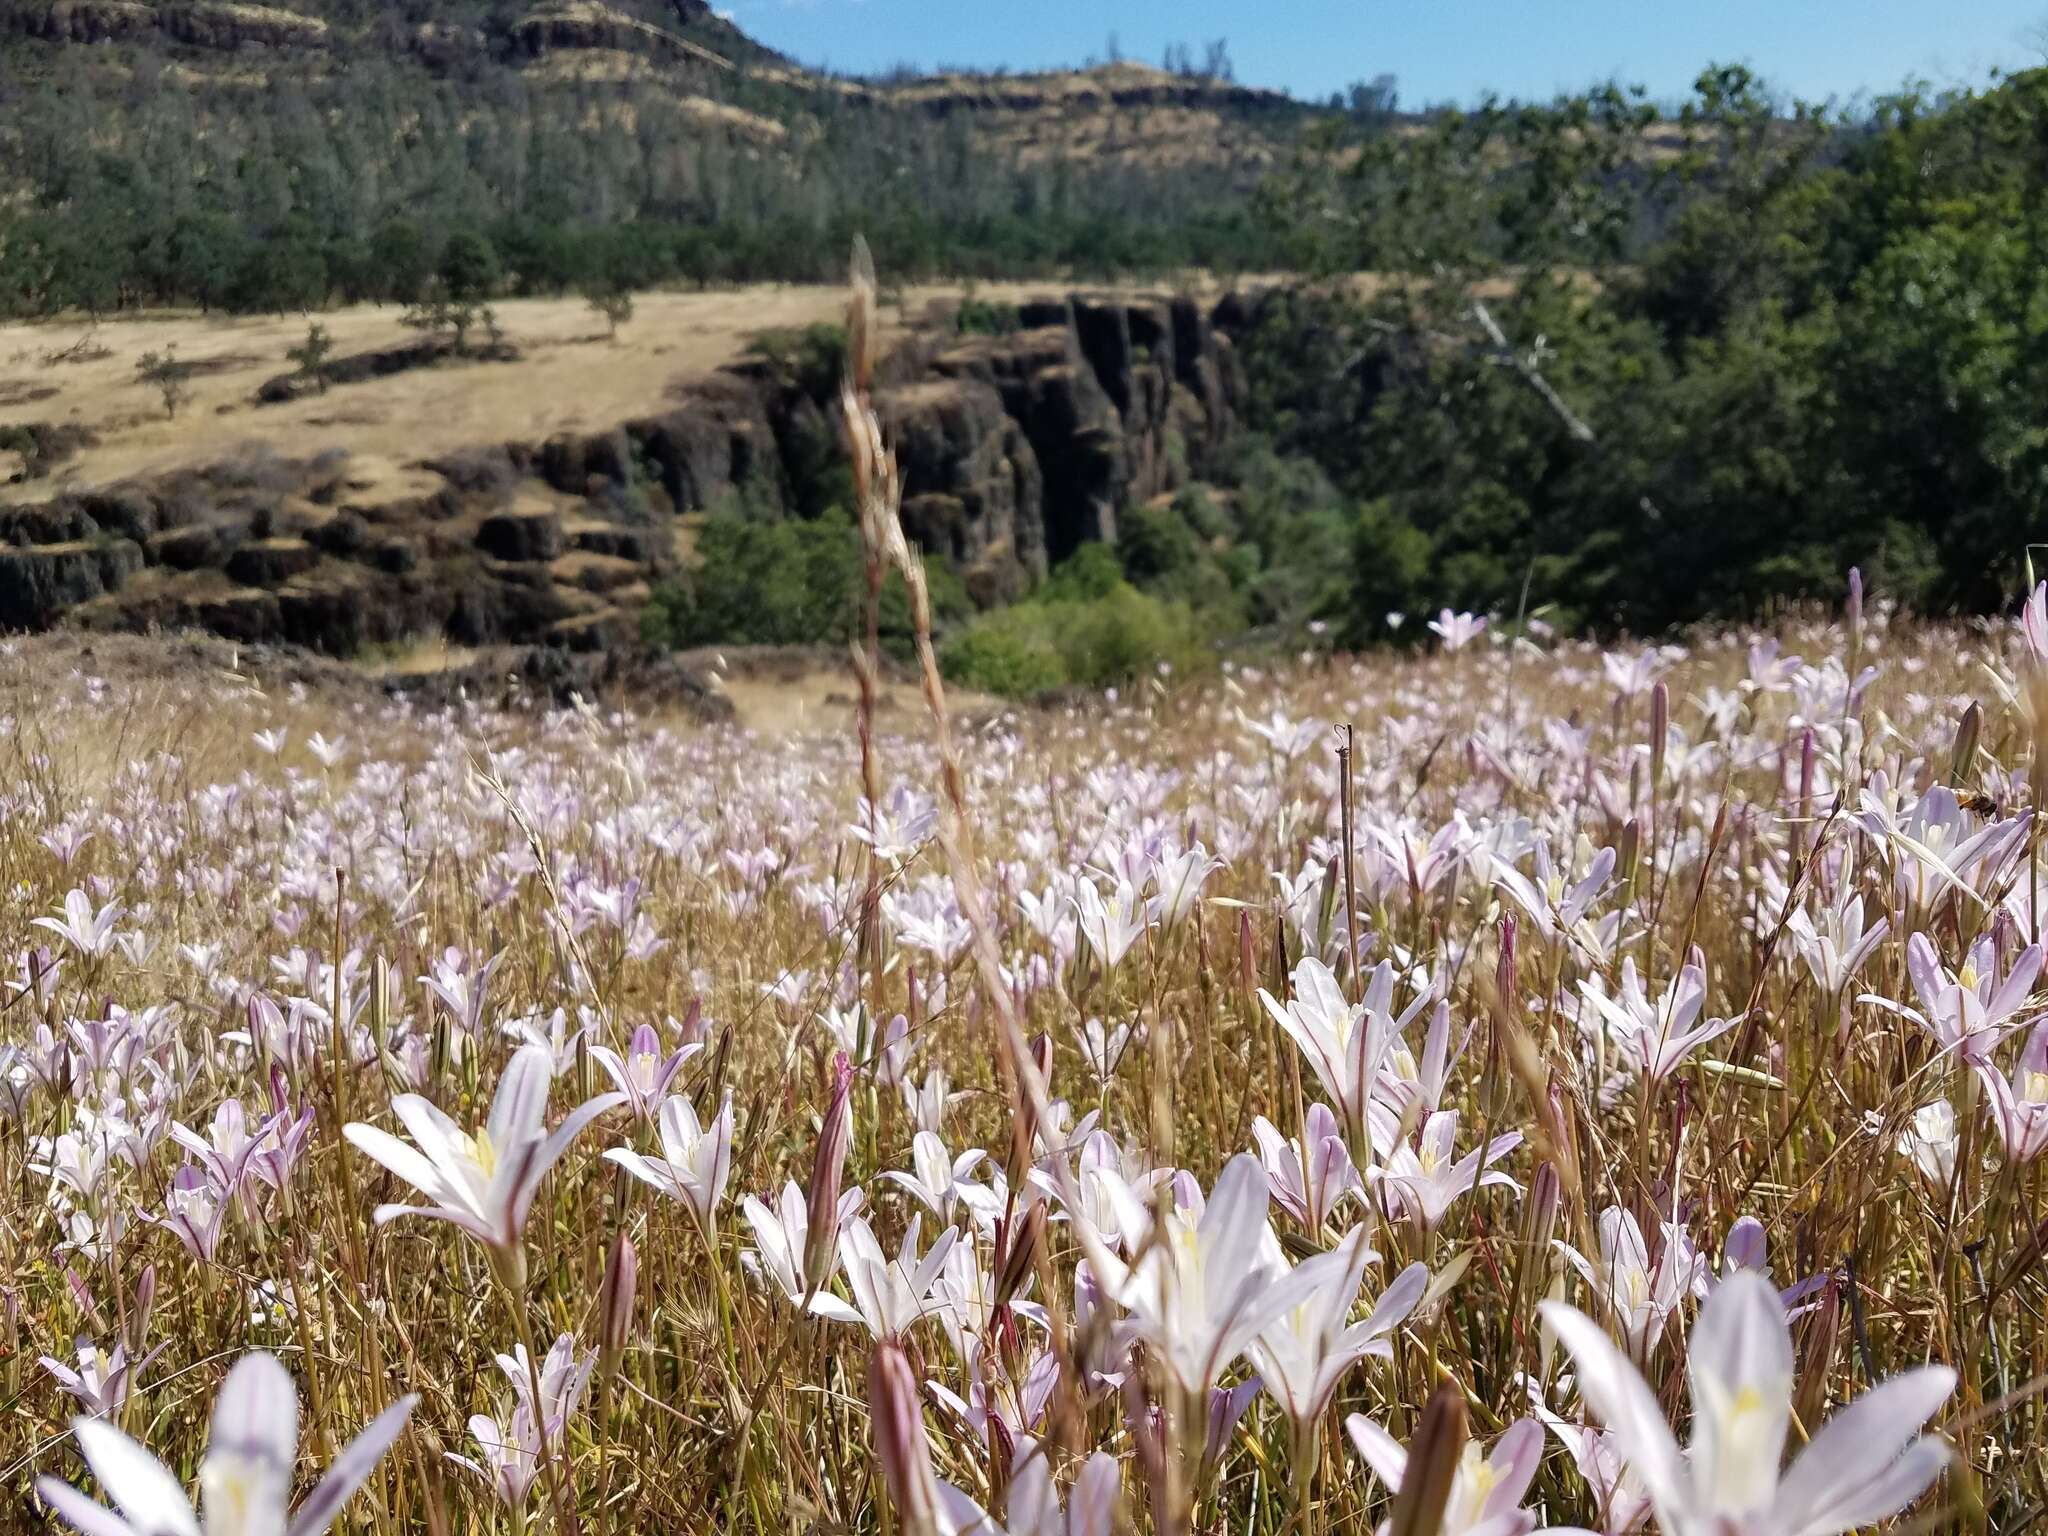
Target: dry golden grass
568	379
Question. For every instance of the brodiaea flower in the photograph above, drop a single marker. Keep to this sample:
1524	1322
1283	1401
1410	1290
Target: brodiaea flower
2019	1104
1968	1011
1655	1039
643	1074
245	1478
696	1160
1303	1354
1345	1045
483	1183
1863	1466
1486	1491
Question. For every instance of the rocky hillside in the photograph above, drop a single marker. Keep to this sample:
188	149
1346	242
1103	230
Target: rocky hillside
679	50
1015	448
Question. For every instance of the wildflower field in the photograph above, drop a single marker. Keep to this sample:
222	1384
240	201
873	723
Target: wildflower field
1512	1086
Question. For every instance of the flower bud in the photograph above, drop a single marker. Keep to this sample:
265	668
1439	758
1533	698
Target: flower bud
1433	1456
1660	731
897	1421
1022	1236
1546	1196
1504	982
1855	615
1817	1358
1024	1135
1965	755
821	1242
139	1310
615	1309
692	1030
1002	1459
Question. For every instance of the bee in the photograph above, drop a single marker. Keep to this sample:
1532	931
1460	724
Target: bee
1979	802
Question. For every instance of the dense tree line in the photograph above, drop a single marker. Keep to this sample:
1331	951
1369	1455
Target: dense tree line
342	176
1714	359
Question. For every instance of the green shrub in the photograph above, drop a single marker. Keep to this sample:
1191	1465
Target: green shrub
1010	652
1123	635
951	607
978	317
1156	544
1201	511
1089	572
813	359
761	582
1112	636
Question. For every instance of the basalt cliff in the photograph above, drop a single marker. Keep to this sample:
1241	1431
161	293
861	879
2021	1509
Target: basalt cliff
1015	448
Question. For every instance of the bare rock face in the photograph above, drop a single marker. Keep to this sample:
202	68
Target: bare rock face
1014	451
717	449
521	535
972	491
38	584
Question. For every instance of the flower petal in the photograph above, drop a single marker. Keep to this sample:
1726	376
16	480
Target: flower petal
350	1469
1847	1462
76	1510
136	1481
1617	1393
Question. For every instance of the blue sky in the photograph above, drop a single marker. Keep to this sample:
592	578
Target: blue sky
1440	49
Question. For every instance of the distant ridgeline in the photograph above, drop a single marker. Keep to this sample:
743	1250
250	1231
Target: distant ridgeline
275	157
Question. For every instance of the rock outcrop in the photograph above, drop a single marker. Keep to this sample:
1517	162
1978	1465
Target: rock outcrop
218	27
1014	449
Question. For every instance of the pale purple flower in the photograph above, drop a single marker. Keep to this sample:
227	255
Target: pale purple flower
1929	1143
643	1074
1303	1354
1655	1039
2034	623
1838	946
193	1212
1860	1468
1617	1493
228	1148
104	1378
1203	1288
1112	924
1177	884
939	1181
483	1182
245	1478
778	1253
1638	1293
1034	1503
1420	1183
1486	1489
1103	1046
1555	903
86	928
696	1160
1309	1177
2019	1104
1456	630
1967	1011
1346	1044
892	1295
